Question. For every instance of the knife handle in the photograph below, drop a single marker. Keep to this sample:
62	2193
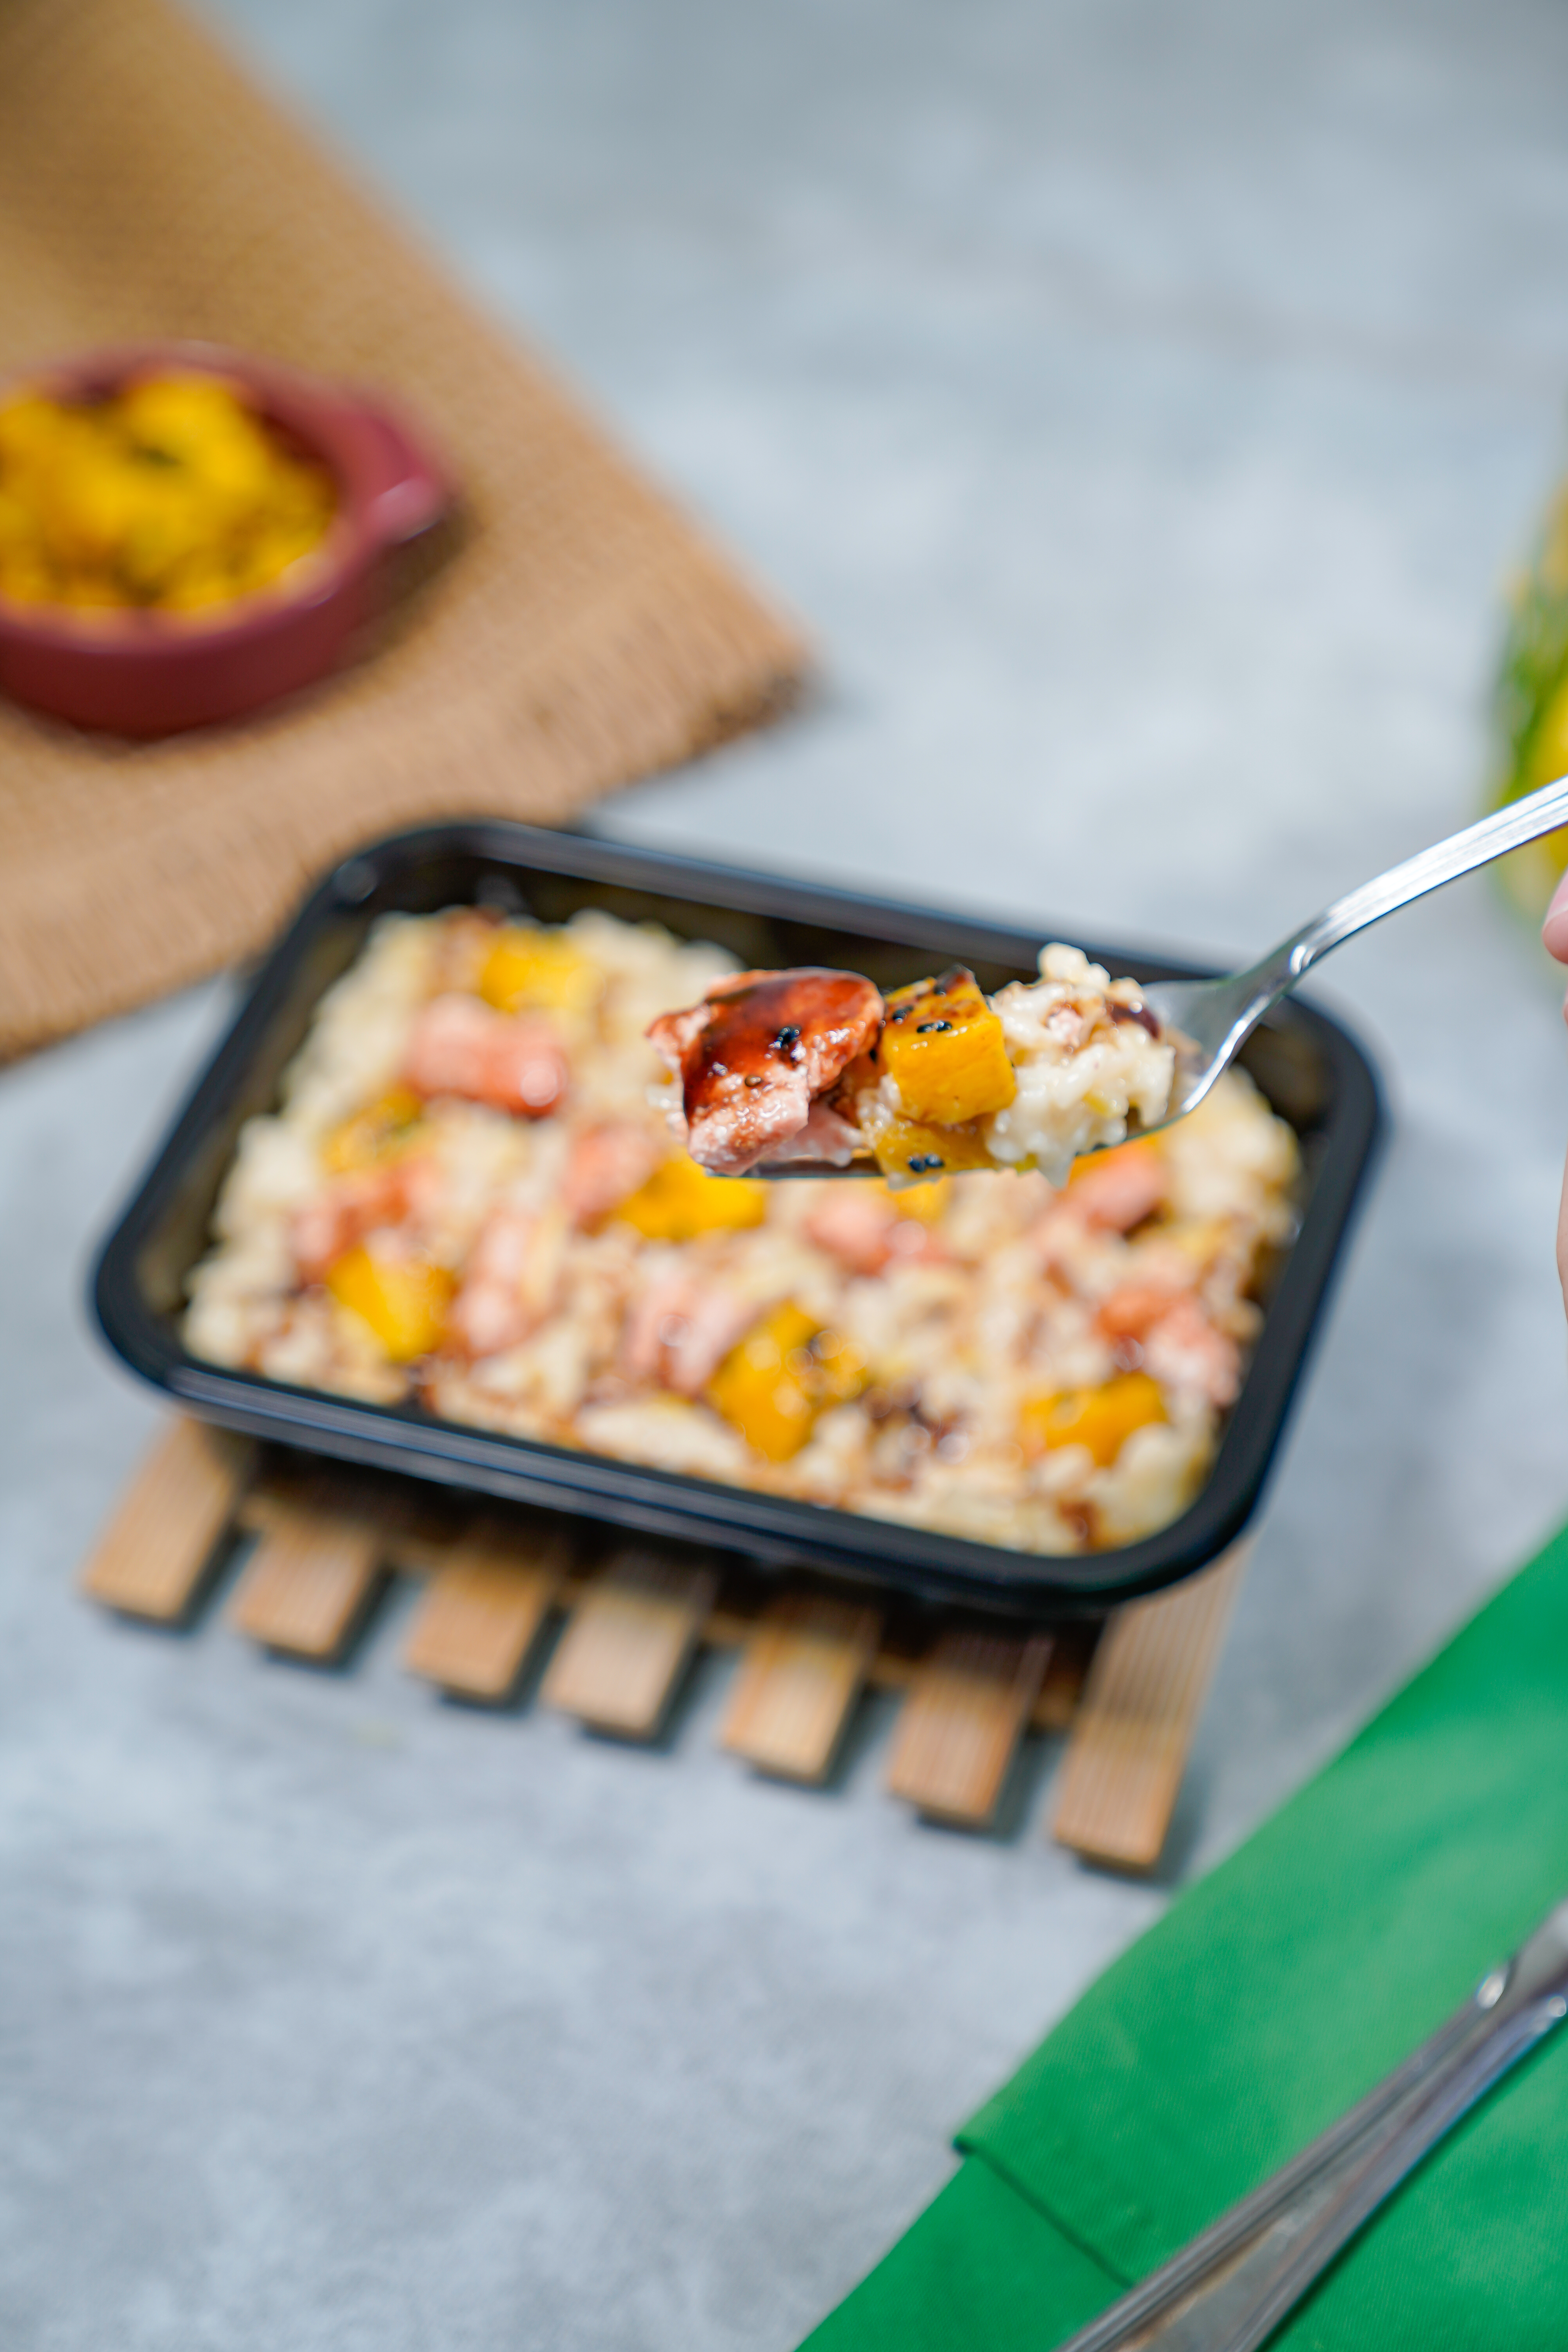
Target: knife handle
1228	2288
1241	2312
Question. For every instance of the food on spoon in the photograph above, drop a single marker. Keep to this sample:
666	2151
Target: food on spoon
754	1057
936	1079
909	1151
1042	1368
170	494
943	1049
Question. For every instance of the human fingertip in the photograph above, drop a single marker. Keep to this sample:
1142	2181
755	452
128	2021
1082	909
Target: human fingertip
1555	929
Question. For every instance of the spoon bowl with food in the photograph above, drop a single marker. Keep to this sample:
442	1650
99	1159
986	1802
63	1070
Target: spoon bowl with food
812	1073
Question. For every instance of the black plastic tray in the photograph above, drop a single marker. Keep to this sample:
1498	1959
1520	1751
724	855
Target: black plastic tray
1312	1070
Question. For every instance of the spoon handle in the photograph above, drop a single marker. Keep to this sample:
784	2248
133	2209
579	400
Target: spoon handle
1493	836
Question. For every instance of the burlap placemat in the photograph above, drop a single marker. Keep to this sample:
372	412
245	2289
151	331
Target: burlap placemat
577	632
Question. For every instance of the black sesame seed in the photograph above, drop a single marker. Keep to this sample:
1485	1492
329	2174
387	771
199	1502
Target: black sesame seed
788	1039
928	1028
924	1162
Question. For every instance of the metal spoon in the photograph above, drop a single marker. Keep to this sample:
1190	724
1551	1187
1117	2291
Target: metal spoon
1230	2288
1212	1019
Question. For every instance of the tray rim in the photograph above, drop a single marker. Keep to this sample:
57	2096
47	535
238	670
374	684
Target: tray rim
771	1530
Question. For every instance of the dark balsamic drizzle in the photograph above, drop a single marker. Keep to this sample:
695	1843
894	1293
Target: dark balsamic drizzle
771	1037
1138	1013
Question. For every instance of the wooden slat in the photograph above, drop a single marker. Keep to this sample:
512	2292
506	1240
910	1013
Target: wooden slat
801	1672
418	1529
967	1708
626	1643
484	1607
1072	1648
1141	1706
309	1580
151	1558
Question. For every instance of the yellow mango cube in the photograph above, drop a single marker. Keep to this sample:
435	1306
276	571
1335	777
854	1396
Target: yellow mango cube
378	1132
838	1371
680	1201
909	1151
766	1387
531	967
1103	1418
403	1300
943	1048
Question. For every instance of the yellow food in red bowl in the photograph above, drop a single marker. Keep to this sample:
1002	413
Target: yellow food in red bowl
187	533
170	491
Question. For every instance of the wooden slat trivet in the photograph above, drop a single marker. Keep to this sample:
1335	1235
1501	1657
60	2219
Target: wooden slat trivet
1140	1705
627	1644
152	1557
483	1610
967	1710
800	1674
327	1535
309	1580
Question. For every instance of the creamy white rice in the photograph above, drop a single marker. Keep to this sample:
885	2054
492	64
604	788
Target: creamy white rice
1084	1076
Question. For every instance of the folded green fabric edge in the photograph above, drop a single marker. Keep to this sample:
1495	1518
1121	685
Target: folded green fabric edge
1271	1996
982	2266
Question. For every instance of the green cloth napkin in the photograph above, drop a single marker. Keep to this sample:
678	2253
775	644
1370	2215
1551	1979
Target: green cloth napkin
1268	1999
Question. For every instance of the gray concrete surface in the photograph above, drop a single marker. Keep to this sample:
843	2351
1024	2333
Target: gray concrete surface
1142	405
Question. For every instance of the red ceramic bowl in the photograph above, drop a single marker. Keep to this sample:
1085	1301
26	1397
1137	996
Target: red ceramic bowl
150	673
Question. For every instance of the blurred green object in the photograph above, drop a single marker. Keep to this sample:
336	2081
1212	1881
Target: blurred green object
1530	709
1272	1995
